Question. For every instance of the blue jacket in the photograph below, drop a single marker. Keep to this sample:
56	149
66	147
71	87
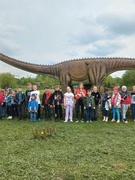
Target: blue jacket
33	105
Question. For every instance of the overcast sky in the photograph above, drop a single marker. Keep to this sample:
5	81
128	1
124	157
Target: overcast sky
50	31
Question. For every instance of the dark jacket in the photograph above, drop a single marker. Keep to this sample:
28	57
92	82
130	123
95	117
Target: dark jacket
97	97
57	98
89	100
20	98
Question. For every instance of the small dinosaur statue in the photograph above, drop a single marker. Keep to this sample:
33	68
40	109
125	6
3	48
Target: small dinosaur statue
90	70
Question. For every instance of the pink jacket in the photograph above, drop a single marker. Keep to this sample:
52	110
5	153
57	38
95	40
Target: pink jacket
117	102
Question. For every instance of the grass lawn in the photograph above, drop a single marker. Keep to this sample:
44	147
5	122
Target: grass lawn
79	151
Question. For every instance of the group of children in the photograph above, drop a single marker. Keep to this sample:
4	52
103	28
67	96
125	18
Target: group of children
17	103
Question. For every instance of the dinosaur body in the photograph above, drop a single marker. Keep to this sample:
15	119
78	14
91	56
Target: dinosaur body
90	71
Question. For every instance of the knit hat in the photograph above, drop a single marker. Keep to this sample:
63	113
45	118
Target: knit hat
124	87
115	88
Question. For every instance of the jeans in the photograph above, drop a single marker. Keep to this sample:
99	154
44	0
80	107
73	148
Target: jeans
116	111
0	111
4	110
88	114
133	110
124	108
33	116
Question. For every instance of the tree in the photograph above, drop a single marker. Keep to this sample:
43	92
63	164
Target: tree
128	78
7	80
108	82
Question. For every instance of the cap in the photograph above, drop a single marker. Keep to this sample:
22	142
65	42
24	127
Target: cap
47	87
57	86
115	88
124	87
33	95
9	89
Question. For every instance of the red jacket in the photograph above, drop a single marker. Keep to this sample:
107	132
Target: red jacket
78	93
125	99
1	98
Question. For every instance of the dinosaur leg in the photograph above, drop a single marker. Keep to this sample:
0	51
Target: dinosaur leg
64	81
95	80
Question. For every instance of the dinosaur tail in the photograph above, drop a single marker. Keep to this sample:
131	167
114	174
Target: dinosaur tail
34	68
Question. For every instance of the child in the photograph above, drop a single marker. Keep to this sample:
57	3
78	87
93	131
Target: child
97	99
125	102
46	103
33	107
20	101
133	103
106	104
89	105
69	104
13	104
79	95
37	94
9	105
4	106
1	103
116	104
57	101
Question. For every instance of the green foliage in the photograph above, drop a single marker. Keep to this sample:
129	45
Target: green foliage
80	151
109	82
46	81
128	78
24	80
7	80
42	80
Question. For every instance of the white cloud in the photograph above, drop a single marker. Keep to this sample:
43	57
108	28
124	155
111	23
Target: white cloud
47	32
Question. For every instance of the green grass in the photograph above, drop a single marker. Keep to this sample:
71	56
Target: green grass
79	151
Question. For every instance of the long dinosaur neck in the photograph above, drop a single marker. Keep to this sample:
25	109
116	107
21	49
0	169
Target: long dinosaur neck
34	68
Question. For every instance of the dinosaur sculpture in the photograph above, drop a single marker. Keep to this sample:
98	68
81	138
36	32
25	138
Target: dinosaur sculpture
90	71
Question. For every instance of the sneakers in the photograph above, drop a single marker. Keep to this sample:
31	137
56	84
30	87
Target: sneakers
65	121
125	121
87	121
82	120
113	120
9	117
118	121
71	120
